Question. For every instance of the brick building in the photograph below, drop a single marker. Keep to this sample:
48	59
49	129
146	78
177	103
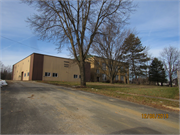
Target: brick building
50	68
99	70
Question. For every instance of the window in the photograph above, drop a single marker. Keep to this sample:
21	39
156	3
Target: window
104	66
28	74
97	71
75	76
122	78
47	74
66	63
54	74
79	76
24	74
117	77
104	77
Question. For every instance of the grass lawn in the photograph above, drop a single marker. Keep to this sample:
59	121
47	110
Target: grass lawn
123	91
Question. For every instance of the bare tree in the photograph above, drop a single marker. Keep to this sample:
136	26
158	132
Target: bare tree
76	23
170	57
110	50
5	72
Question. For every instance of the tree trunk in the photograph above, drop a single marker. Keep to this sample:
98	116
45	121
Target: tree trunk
161	83
111	80
170	82
82	72
136	80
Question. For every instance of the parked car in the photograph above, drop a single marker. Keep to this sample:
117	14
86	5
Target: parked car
2	83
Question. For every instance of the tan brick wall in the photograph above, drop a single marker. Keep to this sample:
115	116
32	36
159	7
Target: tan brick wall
22	66
56	65
94	68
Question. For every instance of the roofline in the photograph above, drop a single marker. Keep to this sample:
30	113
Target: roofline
22	59
54	56
43	55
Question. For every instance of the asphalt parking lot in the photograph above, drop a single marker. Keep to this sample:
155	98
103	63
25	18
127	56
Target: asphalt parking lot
37	108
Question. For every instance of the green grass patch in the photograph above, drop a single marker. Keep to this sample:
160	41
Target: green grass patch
147	90
137	99
155	91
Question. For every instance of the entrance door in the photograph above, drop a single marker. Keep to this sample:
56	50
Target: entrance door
22	73
97	79
126	81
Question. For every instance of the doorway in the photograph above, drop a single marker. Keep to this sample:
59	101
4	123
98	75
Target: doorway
22	73
97	79
126	81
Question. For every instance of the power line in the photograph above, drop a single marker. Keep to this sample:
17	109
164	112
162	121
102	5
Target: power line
23	44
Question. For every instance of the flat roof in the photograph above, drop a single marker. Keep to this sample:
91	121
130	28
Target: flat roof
44	55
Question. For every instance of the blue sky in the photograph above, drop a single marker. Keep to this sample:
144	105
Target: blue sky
156	21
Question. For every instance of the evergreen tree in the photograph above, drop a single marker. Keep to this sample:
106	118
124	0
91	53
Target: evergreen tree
136	57
157	72
163	76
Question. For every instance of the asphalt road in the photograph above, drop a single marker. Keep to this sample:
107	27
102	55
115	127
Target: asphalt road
37	108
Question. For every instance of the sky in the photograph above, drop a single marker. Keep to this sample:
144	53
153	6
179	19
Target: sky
156	22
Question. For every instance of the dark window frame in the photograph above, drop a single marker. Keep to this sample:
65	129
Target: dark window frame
55	75
75	76
47	74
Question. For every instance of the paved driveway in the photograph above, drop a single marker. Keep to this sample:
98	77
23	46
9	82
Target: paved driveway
36	108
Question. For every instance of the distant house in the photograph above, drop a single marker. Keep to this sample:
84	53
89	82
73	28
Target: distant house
50	68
